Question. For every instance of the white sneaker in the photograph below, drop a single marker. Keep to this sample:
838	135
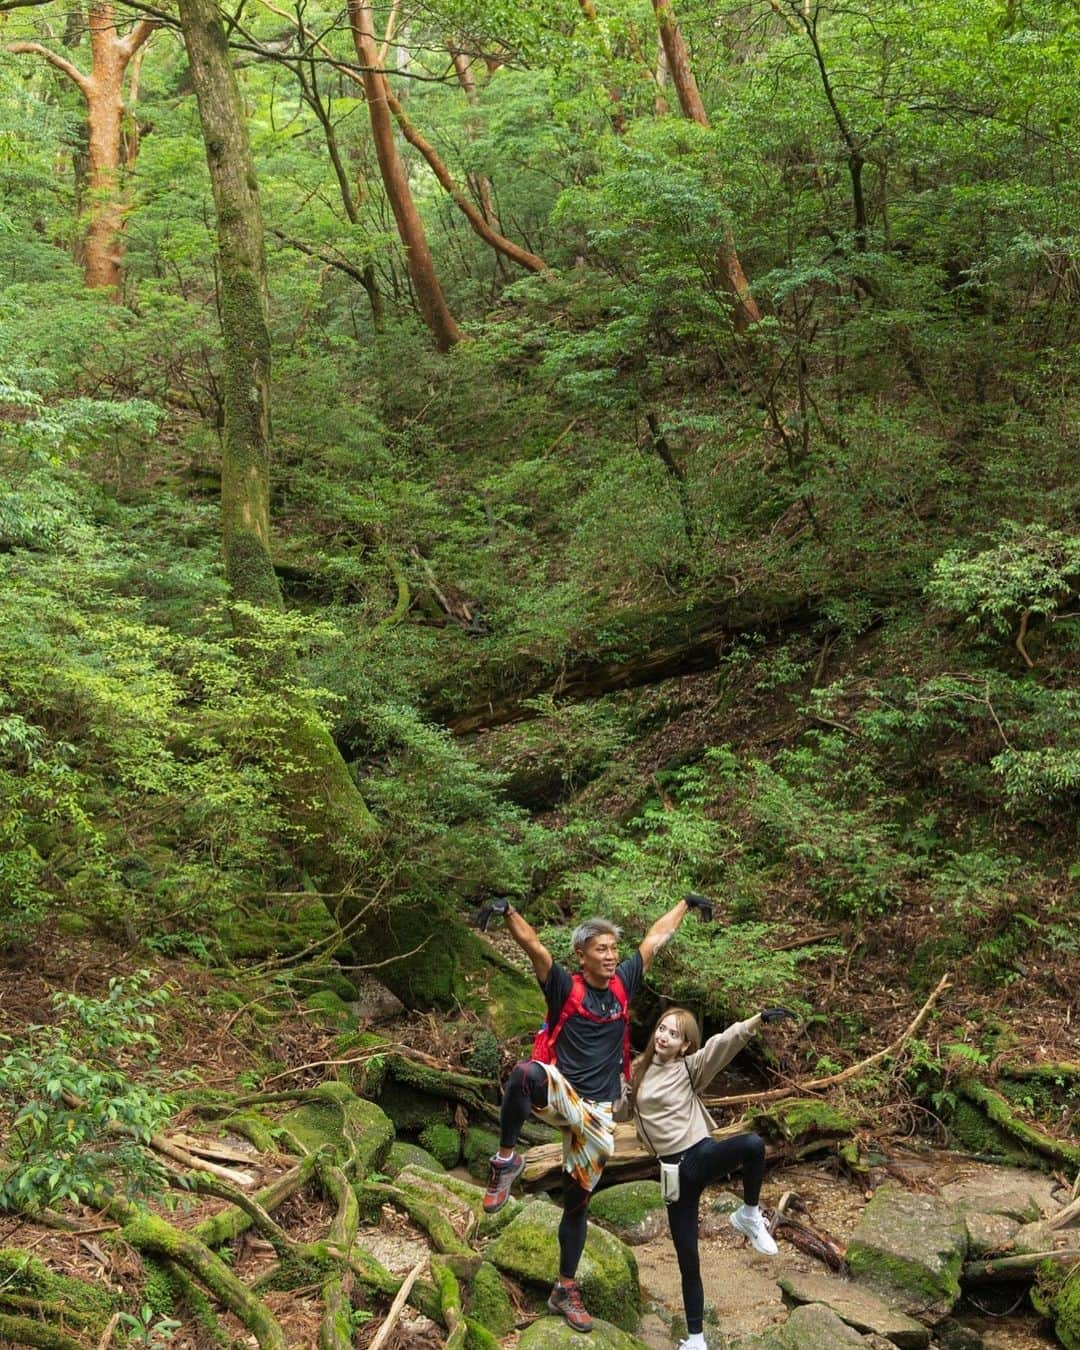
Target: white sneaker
693	1343
753	1226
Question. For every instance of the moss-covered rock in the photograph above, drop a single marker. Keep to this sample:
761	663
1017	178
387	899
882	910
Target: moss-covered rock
403	1154
286	933
811	1327
553	1333
488	1224
489	1302
528	1249
476	1150
330	1011
634	1212
357	1131
29	1288
970	1129
315	979
258	1129
799	1119
1059	1299
910	1249
442	1142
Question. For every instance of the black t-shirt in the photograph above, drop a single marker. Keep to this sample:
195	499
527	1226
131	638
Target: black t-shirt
587	1053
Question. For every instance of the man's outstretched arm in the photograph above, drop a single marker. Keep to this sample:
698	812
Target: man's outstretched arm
524	934
667	923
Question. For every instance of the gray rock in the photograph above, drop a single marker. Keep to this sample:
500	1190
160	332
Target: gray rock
552	1333
950	1335
1033	1237
988	1232
633	1211
910	1249
858	1307
374	1002
1017	1192
811	1327
528	1249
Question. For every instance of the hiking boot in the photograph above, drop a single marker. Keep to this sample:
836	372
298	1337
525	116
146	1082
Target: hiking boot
752	1225
565	1299
504	1172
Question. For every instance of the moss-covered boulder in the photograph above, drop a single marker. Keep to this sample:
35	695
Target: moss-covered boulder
634	1212
487	1224
28	1288
528	1249
799	1120
856	1306
553	1333
357	1131
489	1302
330	1011
477	1148
403	1154
442	1141
1060	1299
910	1249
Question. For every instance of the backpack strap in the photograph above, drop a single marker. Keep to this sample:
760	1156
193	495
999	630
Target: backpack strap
574	1004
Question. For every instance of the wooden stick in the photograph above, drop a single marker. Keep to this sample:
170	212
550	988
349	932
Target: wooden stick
396	1307
107	1334
1065	1216
853	1071
1016	1267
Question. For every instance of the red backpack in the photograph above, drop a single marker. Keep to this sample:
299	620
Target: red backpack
543	1049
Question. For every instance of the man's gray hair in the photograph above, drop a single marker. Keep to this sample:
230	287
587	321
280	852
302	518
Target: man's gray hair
585	932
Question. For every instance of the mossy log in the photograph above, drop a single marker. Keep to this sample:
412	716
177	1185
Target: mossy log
230	1223
259	1217
28	1331
1024	1267
151	1235
450	1304
1001	1114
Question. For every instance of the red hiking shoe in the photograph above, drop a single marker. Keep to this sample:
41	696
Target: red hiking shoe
504	1172
565	1300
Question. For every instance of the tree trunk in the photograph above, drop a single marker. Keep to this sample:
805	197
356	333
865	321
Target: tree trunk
102	91
732	276
432	959
421	265
479	182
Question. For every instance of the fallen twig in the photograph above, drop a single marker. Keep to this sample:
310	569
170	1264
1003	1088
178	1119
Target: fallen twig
400	1299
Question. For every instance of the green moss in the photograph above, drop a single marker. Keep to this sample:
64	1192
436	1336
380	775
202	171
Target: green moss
26	1281
971	1130
1060	1299
623	1208
443	1142
289	933
403	1154
477	1148
800	1118
528	1248
490	1303
330	1011
258	1129
357	1131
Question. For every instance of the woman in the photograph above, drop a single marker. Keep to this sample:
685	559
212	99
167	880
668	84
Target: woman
672	1123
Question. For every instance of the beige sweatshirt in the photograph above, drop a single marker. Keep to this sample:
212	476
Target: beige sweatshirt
668	1115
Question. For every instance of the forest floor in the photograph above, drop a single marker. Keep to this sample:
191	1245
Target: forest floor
224	1047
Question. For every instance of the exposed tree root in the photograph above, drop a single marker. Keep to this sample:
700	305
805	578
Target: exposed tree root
230	1223
335	1329
1017	1267
450	1303
27	1331
420	1209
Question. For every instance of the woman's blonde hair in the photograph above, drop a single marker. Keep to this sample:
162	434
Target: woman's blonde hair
688	1030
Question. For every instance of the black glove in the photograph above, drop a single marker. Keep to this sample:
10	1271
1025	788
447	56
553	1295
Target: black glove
701	904
775	1014
484	915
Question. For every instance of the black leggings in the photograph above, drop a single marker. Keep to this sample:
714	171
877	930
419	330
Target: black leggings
705	1162
527	1088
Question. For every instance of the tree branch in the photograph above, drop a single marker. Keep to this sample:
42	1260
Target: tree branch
54	59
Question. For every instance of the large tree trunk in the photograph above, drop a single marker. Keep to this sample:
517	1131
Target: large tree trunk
421	265
336	834
681	73
102	91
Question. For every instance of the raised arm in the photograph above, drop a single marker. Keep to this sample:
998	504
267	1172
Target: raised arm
667	923
524	935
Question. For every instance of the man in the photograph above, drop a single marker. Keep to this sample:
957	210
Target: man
586	1037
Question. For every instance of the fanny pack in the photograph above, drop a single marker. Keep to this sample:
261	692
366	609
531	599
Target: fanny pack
669	1171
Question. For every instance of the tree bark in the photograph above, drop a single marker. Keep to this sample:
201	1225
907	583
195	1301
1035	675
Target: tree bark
681	73
102	91
429	297
479	182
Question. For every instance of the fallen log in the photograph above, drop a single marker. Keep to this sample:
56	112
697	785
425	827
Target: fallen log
630	1161
997	1109
1017	1267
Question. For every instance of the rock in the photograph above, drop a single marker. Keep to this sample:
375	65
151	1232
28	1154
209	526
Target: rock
374	1003
404	1155
330	1011
1033	1237
443	1141
553	1333
457	1190
1018	1193
350	1125
528	1249
988	1232
476	1149
714	1218
633	1211
909	1249
858	1307
810	1327
489	1302
950	1335
1061	1301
